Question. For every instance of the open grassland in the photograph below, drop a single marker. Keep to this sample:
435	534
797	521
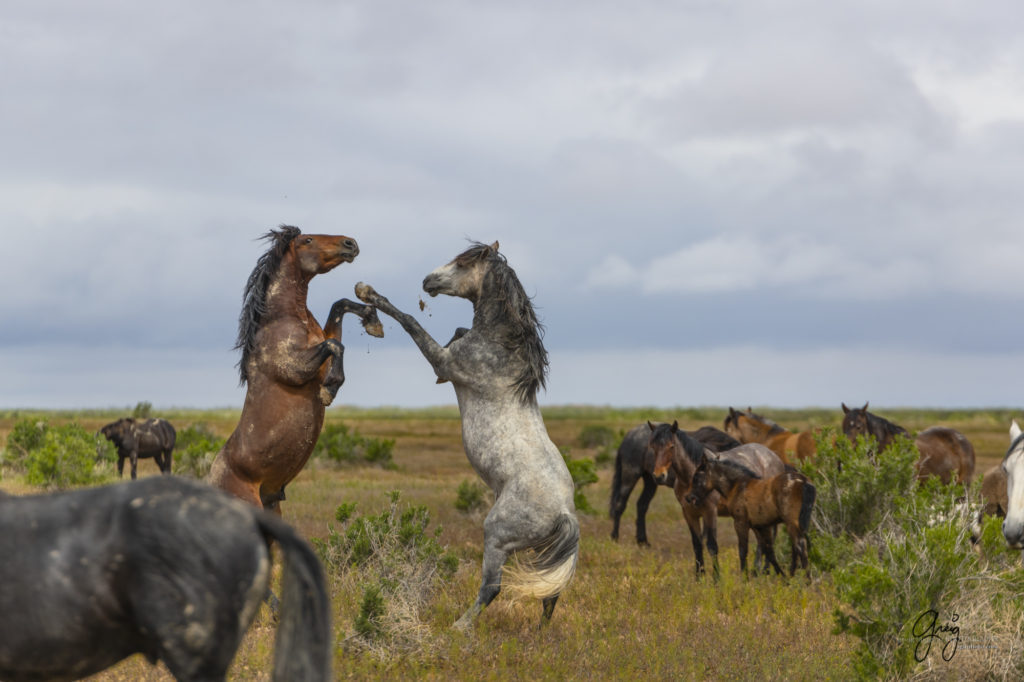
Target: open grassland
630	612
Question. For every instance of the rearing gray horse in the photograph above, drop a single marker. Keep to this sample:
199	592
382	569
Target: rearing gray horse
497	367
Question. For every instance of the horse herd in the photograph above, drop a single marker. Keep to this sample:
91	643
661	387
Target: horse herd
749	470
176	570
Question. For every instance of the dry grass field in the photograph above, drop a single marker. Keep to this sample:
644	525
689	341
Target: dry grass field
630	613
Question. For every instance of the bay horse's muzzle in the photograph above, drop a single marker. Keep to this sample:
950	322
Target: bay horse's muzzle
661	478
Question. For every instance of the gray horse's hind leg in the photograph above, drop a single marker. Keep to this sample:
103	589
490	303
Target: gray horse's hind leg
490	584
549	608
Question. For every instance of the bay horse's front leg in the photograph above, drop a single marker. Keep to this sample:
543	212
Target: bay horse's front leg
336	372
692	517
435	354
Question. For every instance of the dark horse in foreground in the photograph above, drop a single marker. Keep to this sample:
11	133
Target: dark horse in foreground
169	568
292	367
945	452
635	461
137	439
496	368
759	503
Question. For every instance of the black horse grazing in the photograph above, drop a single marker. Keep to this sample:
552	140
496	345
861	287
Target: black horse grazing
635	460
137	439
166	567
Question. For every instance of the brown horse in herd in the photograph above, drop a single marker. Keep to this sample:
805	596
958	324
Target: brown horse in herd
758	504
292	366
750	427
945	453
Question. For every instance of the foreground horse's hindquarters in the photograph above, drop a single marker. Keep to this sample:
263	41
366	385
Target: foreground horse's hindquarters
496	368
292	367
163	566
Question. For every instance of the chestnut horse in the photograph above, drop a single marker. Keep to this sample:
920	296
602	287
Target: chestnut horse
759	503
944	452
292	366
676	451
750	427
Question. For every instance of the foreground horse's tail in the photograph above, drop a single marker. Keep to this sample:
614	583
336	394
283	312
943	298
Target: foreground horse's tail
546	569
806	505
302	650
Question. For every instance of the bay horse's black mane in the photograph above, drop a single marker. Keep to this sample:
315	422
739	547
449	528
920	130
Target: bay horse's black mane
254	300
879	426
512	310
692	447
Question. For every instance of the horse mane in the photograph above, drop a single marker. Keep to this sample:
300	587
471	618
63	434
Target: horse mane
738	468
773	427
254	300
1014	445
884	425
692	447
524	333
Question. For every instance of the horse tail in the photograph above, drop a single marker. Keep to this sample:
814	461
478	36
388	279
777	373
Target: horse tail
550	565
302	650
806	505
616	484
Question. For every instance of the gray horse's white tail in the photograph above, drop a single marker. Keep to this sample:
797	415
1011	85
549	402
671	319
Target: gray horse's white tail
545	570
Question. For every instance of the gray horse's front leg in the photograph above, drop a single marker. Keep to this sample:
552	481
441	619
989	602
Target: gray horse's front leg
490	584
435	354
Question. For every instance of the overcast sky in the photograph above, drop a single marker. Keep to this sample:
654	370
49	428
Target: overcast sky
713	203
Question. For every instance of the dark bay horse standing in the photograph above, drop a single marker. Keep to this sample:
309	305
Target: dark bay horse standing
750	427
759	503
496	368
292	366
945	452
635	461
166	567
137	439
676	451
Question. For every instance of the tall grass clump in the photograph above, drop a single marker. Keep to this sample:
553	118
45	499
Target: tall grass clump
901	562
396	566
339	447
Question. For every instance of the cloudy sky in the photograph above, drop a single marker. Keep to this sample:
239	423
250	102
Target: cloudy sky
790	203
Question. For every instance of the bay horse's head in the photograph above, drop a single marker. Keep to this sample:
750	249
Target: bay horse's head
316	254
663	444
855	422
1013	467
700	483
746	427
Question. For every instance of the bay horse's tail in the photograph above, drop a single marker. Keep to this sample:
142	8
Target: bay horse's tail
806	505
549	568
302	650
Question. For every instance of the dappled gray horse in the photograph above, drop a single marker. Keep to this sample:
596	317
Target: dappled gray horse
497	367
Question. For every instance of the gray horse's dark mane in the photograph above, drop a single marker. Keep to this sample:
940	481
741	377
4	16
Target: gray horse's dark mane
503	303
1014	445
254	300
737	468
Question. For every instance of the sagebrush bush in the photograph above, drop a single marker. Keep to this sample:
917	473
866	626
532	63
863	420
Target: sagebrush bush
195	448
470	496
396	564
66	457
337	446
583	472
26	435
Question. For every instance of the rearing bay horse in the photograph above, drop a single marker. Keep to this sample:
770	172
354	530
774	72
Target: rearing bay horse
497	367
291	365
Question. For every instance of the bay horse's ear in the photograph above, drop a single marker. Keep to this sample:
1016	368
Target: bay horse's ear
732	413
675	426
650	425
865	408
846	410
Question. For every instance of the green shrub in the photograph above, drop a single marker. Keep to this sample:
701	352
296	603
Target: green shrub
583	472
396	564
596	436
27	435
143	410
66	457
338	446
195	448
470	496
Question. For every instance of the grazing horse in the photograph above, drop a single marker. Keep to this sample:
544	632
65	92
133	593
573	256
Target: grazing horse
166	567
635	461
676	451
292	366
1013	467
750	427
139	439
759	503
944	452
496	368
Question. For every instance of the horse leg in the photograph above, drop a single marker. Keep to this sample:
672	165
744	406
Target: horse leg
650	487
692	518
765	538
618	506
490	584
120	465
549	608
742	541
711	538
168	460
134	457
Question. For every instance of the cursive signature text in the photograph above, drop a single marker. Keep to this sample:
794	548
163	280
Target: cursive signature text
927	629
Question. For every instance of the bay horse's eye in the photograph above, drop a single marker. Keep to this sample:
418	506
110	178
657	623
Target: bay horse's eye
307	240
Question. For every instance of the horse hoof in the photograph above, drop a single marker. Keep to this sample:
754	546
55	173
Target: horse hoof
364	291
